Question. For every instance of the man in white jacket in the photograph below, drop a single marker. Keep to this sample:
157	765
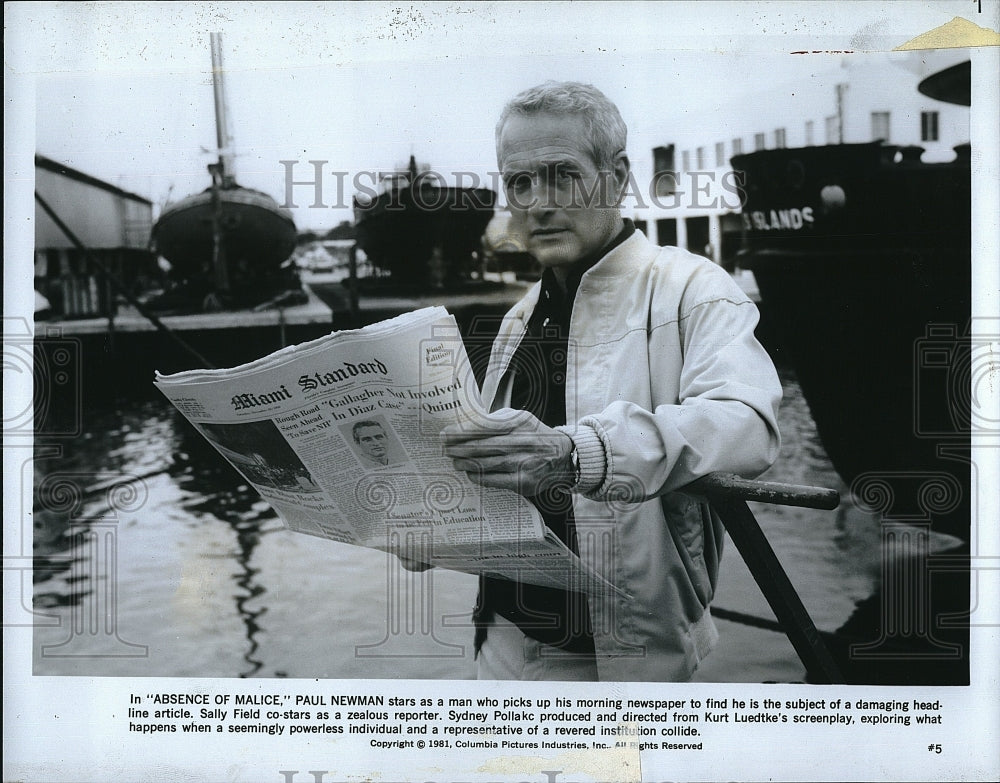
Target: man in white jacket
635	371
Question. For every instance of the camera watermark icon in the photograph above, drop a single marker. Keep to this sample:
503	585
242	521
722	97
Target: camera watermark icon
543	364
907	618
955	404
410	506
410	619
955	373
907	503
86	506
19	560
52	362
418	510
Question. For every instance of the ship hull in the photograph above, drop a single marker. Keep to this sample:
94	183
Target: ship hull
256	234
862	255
425	237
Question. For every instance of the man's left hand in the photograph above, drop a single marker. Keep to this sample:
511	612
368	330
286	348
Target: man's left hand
512	450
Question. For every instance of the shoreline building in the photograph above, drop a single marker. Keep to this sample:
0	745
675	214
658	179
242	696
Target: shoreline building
113	224
693	199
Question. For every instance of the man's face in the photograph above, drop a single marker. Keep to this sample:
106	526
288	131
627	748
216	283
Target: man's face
373	442
564	206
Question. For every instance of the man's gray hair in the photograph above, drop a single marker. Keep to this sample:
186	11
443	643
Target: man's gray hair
601	118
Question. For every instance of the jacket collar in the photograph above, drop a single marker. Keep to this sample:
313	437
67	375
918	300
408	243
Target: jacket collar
621	259
579	268
617	263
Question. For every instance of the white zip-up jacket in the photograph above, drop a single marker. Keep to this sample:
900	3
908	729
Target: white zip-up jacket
666	383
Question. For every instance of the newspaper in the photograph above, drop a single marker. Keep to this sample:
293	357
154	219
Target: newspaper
341	436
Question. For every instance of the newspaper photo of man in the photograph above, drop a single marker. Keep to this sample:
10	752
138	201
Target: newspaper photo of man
373	447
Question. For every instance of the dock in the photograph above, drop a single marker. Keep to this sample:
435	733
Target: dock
128	319
125	351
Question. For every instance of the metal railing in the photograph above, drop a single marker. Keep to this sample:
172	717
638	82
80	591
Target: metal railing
728	495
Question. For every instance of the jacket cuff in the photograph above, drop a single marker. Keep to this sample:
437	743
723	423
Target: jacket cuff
590	450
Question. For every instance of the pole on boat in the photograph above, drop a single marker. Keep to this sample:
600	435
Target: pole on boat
219	266
222	137
221	172
728	495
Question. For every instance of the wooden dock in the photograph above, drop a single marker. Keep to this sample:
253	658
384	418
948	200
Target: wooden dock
125	351
128	319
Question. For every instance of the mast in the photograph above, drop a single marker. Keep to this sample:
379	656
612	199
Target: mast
222	137
222	172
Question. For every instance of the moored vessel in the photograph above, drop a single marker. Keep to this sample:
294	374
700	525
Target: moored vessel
228	246
862	254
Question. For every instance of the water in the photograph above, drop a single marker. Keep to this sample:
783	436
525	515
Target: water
185	571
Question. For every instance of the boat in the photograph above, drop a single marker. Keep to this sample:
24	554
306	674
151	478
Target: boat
233	293
229	246
862	257
422	234
255	239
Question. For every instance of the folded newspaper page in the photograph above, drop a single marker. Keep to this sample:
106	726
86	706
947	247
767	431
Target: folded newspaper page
341	436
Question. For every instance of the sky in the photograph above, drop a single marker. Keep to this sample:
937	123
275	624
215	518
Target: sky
123	91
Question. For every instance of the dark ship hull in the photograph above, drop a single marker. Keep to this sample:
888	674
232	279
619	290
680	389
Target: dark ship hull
254	237
862	254
424	236
227	245
255	230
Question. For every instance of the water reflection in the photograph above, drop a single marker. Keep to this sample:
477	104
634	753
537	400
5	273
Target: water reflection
179	535
217	489
200	567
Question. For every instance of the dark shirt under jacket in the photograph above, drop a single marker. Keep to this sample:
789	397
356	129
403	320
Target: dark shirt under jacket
556	617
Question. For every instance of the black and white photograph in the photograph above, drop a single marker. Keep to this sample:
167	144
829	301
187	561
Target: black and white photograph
374	443
259	451
726	278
